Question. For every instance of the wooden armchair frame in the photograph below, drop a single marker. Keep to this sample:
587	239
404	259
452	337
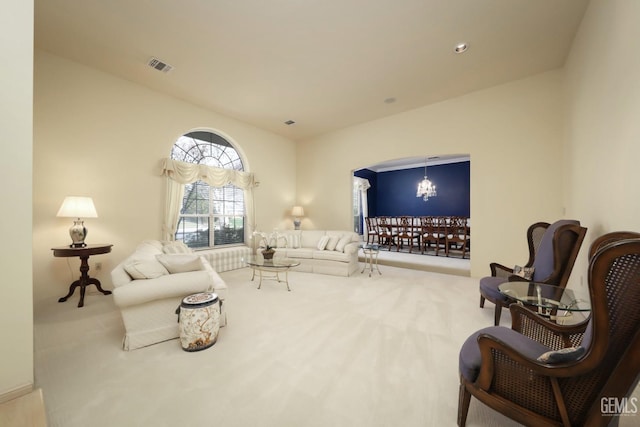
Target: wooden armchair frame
568	393
566	242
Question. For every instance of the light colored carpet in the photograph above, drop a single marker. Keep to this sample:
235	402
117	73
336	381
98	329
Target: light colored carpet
358	351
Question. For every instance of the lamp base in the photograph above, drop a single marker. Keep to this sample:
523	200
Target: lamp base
296	224
78	233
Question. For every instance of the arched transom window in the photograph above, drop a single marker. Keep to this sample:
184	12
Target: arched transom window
210	216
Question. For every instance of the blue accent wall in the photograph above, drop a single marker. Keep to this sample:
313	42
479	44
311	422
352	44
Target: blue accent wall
393	193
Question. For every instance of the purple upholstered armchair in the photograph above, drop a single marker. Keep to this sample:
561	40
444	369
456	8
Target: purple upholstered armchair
545	374
553	249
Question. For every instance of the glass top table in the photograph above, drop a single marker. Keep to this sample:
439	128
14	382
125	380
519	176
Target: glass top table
274	265
370	251
548	299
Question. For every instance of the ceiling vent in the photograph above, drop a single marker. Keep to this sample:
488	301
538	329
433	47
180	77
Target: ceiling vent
157	64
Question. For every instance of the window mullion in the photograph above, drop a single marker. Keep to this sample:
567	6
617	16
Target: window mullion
212	222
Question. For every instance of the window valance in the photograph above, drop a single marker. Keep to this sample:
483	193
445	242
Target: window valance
186	173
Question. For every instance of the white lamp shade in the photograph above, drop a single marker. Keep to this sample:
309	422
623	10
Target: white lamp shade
297	211
77	207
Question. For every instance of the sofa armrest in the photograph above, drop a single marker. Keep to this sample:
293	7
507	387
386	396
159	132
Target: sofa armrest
216	281
168	286
119	276
352	248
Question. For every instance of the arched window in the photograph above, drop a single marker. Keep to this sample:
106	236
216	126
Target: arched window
210	216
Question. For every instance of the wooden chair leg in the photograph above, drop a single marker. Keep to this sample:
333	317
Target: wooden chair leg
497	314
481	301
464	400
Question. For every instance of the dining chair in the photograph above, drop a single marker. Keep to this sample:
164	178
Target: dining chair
457	235
386	235
406	231
372	230
431	234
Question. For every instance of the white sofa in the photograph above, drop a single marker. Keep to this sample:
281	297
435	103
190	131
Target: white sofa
150	284
338	256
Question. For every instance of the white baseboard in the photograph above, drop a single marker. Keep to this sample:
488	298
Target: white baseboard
16	392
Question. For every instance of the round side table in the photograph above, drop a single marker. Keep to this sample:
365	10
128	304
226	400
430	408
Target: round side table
371	252
84	280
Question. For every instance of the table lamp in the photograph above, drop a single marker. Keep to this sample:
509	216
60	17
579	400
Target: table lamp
77	207
297	212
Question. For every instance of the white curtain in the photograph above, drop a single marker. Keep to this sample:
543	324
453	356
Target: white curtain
180	173
360	187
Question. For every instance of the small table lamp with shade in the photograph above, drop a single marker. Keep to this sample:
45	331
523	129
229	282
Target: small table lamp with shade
297	212
77	207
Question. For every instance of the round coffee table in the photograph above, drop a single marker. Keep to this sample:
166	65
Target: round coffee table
546	299
274	266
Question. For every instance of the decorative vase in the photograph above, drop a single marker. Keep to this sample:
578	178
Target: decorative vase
78	233
268	253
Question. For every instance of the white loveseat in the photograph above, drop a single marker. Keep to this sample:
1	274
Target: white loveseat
150	284
319	251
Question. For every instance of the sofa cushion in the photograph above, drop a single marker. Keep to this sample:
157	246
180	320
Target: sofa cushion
332	243
310	238
176	248
293	240
298	253
180	263
147	250
344	240
322	243
331	256
144	269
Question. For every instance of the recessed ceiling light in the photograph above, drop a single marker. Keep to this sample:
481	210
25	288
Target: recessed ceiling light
390	100
461	47
289	122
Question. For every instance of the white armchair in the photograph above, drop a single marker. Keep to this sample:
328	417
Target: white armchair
148	303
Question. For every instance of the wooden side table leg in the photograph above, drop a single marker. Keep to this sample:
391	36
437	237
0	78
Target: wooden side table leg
72	289
94	281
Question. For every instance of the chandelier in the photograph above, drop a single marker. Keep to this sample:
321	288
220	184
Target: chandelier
426	188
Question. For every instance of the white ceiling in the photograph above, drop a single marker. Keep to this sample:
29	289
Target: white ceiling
326	64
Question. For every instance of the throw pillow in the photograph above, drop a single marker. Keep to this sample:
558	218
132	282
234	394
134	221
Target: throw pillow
524	272
568	354
344	240
176	248
281	241
144	269
332	243
322	243
180	263
293	241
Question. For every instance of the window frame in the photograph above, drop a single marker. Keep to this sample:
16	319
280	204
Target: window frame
211	149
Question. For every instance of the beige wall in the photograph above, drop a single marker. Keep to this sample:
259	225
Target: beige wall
16	140
101	136
513	133
603	126
531	156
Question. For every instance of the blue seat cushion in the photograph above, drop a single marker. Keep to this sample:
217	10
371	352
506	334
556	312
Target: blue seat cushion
470	358
489	288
